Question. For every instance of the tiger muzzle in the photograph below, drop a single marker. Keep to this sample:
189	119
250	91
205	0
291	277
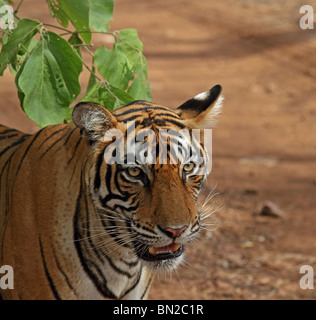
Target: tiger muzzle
168	252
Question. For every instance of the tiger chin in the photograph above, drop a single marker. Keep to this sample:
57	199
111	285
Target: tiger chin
93	210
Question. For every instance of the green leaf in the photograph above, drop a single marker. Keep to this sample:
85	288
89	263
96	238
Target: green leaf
53	69
20	92
113	66
24	31
140	88
124	66
107	95
76	42
68	61
22	54
130	37
101	12
82	14
92	79
78	13
5	37
133	48
57	12
4	2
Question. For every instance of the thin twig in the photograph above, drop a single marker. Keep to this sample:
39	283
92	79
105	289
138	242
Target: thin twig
86	31
57	27
18	7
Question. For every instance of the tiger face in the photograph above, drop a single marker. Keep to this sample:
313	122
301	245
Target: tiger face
145	178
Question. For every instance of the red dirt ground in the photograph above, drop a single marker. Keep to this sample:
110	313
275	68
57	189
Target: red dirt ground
264	147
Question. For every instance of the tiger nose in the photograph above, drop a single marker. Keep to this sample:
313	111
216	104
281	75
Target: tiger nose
173	232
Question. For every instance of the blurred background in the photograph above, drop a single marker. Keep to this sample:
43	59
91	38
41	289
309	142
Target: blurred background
264	147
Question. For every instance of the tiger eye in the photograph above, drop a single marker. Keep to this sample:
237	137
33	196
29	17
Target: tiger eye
134	171
188	167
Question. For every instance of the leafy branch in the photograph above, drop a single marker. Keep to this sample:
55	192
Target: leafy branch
47	65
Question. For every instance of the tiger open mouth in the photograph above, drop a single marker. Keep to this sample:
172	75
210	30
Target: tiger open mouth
171	251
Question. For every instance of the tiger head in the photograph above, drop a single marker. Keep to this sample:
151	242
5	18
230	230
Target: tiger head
146	195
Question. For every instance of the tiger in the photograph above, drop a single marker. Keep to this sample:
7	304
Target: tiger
77	227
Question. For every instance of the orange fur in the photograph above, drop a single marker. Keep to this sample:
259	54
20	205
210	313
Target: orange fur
55	233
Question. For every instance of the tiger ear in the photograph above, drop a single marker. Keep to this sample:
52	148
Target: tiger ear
93	119
201	112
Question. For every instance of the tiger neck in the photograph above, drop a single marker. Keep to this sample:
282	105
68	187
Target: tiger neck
111	266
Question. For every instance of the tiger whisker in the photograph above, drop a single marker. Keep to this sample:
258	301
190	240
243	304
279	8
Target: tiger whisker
210	196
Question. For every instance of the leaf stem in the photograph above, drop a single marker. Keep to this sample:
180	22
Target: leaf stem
85	31
18	7
57	27
87	67
88	50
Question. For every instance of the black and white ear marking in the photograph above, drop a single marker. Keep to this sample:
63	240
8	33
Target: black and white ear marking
201	111
93	119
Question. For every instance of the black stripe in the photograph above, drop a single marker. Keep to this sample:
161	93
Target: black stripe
119	185
74	169
50	136
138	102
132	118
6	212
89	265
76	147
136	122
97	178
113	234
147	287
118	270
100	283
112	223
129	209
27	149
156	119
49	278
64	274
136	183
180	125
112	196
148	107
8	130
52	145
108	177
146	236
133	286
130	264
196	223
22	139
88	235
175	116
10	136
66	141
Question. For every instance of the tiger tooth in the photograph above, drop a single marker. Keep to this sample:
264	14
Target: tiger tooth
167	249
152	251
176	246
